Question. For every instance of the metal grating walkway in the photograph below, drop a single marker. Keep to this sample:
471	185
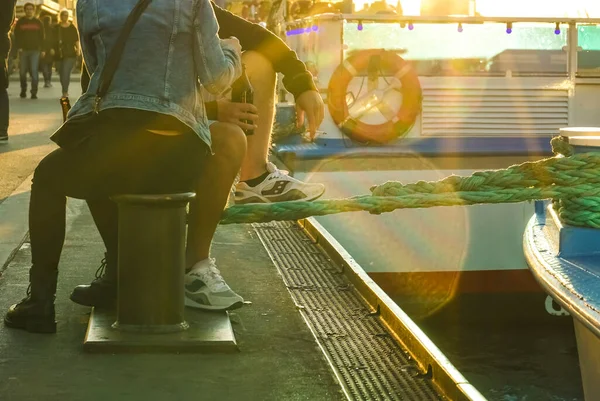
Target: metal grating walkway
367	359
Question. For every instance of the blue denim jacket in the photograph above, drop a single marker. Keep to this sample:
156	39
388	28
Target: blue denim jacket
172	49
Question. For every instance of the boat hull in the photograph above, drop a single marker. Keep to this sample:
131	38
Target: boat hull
588	347
564	260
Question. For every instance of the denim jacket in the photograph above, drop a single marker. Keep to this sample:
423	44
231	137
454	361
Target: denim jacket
172	49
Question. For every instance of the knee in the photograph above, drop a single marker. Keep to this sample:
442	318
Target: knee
43	173
259	69
228	140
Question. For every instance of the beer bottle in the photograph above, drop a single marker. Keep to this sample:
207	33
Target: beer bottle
241	92
65	106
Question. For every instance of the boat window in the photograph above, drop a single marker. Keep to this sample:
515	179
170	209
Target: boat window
588	58
471	49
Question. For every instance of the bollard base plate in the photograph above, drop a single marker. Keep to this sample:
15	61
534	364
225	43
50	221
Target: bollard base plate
208	332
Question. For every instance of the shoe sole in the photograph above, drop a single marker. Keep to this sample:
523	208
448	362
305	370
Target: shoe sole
191	304
260	199
82	302
188	302
48	327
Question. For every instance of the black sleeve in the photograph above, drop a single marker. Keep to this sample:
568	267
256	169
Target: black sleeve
296	78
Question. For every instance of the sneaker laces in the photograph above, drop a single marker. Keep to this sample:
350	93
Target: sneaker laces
272	169
212	276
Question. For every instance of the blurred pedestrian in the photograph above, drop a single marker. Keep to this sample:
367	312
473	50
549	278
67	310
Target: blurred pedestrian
66	50
7	15
29	37
46	63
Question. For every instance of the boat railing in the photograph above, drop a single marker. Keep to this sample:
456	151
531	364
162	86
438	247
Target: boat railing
545	71
571	27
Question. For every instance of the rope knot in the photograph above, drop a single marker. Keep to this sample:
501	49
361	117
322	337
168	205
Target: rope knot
560	146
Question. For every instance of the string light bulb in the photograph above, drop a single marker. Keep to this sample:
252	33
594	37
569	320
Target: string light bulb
509	26
460	27
359	26
410	26
557	29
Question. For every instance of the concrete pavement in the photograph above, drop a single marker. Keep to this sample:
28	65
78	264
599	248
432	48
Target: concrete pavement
279	359
31	124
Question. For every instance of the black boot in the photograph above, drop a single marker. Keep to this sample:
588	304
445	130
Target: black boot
35	313
102	292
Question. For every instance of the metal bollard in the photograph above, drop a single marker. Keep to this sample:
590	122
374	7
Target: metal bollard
151	262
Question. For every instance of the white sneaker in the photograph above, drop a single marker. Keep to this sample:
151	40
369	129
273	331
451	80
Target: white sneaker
206	289
278	187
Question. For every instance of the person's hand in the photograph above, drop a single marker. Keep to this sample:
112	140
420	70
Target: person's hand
229	112
309	105
234	43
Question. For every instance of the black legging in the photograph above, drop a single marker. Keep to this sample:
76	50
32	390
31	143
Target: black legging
120	158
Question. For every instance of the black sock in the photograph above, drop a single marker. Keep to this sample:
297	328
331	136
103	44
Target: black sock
255	181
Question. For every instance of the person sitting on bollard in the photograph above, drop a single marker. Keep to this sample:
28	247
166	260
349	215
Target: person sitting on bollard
149	135
264	55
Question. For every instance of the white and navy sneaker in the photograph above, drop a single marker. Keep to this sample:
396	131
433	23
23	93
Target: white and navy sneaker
278	186
206	289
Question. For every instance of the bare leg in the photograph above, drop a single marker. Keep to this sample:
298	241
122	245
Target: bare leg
263	79
212	189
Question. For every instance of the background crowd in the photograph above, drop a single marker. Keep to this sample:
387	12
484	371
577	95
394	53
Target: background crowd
43	46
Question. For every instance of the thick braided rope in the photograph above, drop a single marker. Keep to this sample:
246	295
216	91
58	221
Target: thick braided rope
573	181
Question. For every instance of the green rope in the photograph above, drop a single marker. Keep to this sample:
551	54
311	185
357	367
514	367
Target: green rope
573	183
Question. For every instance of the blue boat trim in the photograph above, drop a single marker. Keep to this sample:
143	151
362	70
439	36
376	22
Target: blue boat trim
567	273
435	147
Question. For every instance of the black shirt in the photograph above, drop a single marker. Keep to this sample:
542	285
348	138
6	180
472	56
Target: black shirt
65	40
29	34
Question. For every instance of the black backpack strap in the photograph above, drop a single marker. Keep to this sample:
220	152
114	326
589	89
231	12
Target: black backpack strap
113	59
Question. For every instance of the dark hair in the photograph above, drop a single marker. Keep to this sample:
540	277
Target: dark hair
27	5
47	20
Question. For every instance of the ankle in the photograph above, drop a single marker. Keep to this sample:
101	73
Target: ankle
257	180
202	263
251	172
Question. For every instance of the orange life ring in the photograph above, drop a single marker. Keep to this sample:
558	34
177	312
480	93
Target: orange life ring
390	64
